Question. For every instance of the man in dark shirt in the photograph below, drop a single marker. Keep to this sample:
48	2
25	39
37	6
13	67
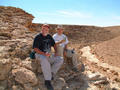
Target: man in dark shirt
50	64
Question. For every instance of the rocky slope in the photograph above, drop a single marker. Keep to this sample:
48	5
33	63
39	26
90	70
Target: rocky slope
115	30
109	51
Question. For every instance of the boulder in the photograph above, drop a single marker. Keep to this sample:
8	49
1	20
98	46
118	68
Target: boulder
29	64
3	85
25	76
17	87
32	64
5	67
27	87
73	60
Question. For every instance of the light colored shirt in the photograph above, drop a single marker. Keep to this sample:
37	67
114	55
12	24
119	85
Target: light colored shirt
58	38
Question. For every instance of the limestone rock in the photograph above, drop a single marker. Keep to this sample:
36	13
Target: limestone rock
100	82
93	76
27	87
74	61
14	20
25	76
17	87
5	67
2	88
59	84
33	65
29	64
3	84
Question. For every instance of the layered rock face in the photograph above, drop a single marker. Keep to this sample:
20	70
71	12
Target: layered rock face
15	21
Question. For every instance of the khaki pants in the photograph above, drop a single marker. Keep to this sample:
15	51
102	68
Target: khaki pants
60	51
49	65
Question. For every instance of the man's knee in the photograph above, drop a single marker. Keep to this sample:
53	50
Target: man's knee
42	58
44	61
60	60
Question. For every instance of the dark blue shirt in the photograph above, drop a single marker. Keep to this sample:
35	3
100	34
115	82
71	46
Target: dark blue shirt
44	43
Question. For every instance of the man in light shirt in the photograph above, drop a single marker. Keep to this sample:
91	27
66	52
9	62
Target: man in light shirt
61	41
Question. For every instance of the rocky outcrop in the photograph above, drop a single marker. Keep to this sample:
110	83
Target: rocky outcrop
24	76
13	22
5	67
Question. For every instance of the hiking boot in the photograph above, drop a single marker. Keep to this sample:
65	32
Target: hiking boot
52	76
48	85
75	69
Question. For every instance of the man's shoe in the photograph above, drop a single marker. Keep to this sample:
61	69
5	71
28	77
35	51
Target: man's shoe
48	85
52	76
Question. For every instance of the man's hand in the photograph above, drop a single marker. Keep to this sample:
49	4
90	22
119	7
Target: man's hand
47	54
42	53
56	54
64	53
62	41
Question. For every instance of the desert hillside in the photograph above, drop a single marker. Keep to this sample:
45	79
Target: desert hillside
109	51
97	47
115	30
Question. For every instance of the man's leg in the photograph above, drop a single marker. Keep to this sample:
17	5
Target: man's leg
46	69
57	62
60	51
45	65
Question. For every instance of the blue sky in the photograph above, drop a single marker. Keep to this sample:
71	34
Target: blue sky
77	12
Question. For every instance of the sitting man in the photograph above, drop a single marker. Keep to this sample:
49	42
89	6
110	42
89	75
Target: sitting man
61	41
42	46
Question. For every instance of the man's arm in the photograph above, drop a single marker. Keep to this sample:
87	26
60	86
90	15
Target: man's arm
66	46
59	42
65	50
55	48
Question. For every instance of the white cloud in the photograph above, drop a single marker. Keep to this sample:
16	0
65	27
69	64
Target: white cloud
116	17
66	14
75	14
46	13
76	18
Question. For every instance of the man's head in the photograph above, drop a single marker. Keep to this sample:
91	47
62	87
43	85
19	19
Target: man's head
45	29
60	29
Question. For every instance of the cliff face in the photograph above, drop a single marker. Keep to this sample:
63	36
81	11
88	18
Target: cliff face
13	16
13	22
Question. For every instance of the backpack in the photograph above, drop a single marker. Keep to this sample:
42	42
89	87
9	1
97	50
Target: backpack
32	55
